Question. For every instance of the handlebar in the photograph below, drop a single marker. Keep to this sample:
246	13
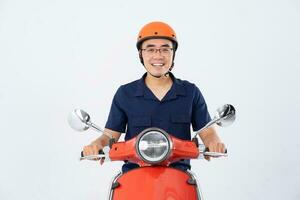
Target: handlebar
204	151
101	154
214	154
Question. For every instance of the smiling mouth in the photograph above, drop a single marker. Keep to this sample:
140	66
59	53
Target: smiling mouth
157	64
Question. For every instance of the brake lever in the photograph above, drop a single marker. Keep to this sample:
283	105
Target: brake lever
215	154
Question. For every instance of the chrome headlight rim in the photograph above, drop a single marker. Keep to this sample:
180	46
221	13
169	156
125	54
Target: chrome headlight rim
164	133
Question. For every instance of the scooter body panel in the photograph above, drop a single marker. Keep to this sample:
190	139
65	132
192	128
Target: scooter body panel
155	183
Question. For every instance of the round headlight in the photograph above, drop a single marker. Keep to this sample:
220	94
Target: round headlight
153	145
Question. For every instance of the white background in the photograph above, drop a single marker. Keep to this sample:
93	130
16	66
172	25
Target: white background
59	55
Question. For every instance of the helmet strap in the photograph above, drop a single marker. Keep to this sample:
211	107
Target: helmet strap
165	75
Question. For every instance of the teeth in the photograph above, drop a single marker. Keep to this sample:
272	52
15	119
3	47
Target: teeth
158	64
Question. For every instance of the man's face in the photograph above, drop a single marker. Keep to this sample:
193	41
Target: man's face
157	55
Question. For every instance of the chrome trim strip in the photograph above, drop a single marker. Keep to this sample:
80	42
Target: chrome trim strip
111	191
198	188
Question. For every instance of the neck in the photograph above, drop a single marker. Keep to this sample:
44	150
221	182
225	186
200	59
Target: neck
157	82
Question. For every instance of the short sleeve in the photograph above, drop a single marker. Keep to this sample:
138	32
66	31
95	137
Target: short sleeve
117	118
200	114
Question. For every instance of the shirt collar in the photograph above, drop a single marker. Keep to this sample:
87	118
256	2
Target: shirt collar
177	88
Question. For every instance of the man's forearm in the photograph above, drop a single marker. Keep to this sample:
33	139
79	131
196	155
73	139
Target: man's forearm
103	140
208	136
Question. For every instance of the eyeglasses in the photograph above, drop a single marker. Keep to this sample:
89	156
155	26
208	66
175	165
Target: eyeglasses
165	51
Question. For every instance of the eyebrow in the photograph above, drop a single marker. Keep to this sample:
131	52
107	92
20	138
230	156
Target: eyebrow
152	45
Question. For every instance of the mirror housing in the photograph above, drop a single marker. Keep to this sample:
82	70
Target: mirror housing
79	120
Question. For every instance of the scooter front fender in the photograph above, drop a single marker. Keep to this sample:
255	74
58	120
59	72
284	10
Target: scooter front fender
155	183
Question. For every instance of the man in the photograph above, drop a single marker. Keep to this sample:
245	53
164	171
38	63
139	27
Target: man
158	99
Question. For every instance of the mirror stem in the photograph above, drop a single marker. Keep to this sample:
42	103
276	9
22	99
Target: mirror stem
95	127
98	129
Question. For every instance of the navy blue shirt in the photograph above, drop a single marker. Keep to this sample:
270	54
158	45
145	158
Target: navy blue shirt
135	108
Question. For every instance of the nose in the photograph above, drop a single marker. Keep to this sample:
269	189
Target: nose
157	53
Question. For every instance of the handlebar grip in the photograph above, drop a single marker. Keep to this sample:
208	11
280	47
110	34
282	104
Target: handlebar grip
207	149
100	152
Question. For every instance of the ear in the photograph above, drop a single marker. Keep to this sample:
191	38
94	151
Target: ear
172	62
141	56
171	67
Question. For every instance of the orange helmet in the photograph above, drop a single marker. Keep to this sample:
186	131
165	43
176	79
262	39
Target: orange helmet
156	30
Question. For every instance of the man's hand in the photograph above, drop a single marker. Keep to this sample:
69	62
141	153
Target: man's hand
99	143
93	149
215	146
211	141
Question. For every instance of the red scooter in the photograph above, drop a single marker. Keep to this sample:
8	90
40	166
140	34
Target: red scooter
154	150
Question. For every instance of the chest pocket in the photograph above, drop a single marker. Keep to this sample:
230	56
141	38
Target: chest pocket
141	121
180	126
180	118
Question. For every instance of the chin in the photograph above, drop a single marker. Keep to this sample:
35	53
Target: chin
156	72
